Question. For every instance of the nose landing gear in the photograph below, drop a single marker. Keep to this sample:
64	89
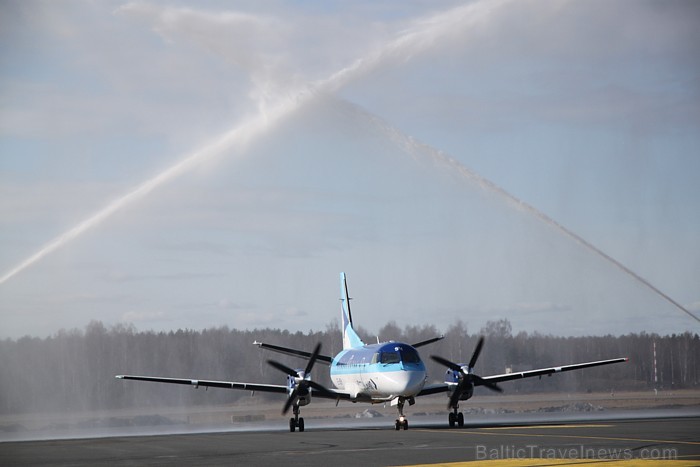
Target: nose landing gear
402	421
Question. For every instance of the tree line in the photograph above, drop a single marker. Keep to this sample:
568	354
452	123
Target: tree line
74	370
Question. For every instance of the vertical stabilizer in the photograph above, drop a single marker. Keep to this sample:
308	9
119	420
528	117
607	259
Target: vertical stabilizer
350	338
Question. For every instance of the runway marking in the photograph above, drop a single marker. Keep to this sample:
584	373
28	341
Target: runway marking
549	435
538	462
535	427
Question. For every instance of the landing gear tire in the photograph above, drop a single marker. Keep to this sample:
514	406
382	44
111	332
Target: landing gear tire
460	419
301	425
402	421
451	419
293	425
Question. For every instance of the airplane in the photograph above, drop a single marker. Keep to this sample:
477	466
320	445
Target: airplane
390	372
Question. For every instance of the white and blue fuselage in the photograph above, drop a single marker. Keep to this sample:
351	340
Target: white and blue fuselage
379	372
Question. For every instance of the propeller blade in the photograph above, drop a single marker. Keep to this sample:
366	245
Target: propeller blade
443	361
304	384
312	360
477	351
290	401
482	382
283	368
320	387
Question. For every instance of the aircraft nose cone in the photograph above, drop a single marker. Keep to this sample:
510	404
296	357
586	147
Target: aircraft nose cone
411	382
403	383
416	381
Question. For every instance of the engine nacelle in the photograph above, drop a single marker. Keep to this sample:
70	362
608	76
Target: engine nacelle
303	393
452	379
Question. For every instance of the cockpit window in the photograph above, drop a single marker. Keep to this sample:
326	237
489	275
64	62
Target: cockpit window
409	355
389	357
397	355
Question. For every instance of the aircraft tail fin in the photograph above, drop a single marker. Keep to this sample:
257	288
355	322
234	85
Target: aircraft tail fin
350	337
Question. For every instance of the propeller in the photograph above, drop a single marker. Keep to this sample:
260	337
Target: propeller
304	381
466	374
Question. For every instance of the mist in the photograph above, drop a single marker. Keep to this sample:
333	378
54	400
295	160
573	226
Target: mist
64	385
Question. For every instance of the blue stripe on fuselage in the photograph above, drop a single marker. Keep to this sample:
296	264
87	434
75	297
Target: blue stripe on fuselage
375	368
367	359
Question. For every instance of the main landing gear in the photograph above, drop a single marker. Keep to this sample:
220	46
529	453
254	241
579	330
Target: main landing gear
402	421
297	421
456	417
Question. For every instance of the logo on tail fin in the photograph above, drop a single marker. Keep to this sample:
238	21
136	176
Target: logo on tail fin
350	337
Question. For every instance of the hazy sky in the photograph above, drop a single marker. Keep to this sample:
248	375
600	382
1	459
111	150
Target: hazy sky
316	138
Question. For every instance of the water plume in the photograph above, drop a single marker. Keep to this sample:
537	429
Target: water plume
239	135
419	149
422	35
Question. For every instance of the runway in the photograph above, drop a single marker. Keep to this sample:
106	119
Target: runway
371	443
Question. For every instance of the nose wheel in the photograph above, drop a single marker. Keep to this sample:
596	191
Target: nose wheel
401	424
402	421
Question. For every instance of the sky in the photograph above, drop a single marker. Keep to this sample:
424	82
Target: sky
191	165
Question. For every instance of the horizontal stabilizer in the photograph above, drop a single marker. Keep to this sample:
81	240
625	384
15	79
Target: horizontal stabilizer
326	360
429	341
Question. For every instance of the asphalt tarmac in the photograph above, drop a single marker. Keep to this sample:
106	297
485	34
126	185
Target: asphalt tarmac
427	441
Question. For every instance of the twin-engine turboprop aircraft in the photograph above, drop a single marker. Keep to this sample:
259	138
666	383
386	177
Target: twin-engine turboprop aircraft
374	373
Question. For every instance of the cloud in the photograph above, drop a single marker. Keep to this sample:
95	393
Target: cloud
564	64
294	313
143	316
109	77
256	320
124	277
279	54
536	307
252	42
228	304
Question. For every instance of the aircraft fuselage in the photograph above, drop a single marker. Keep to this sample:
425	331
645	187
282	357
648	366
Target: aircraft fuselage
379	372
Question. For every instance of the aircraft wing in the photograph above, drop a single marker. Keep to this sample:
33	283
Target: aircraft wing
443	387
326	360
277	388
210	384
548	371
432	389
